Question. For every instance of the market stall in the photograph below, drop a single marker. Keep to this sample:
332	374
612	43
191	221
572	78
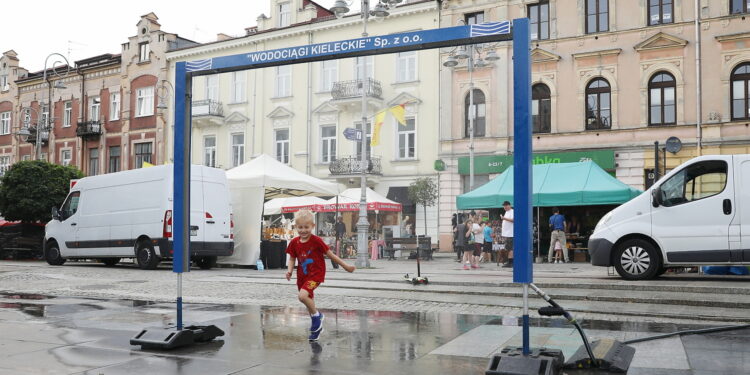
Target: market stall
583	188
251	185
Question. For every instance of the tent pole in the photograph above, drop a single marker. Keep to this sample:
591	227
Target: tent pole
538	233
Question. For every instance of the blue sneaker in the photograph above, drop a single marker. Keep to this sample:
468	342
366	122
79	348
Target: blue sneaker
314	335
317	322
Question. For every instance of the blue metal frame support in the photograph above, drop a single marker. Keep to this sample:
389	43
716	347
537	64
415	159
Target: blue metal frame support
181	176
522	251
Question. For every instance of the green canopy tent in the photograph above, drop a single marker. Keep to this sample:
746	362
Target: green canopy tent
564	184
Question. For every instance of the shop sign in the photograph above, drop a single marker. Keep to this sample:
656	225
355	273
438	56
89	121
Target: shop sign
493	164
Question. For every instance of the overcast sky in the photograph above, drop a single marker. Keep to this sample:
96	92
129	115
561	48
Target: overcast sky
83	28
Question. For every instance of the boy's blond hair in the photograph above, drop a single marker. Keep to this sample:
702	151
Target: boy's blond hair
304	215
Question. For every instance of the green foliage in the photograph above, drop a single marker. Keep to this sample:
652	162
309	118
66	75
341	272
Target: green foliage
423	191
29	189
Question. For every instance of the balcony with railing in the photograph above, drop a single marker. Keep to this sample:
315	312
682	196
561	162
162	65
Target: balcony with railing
208	112
32	134
347	90
352	165
89	129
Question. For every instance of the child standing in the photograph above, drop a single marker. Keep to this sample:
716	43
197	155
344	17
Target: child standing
558	252
307	251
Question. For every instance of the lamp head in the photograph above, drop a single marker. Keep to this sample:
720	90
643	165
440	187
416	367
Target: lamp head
462	53
393	2
492	56
24	132
379	11
340	8
450	62
479	63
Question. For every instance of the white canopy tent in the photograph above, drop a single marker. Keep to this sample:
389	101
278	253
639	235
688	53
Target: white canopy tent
250	185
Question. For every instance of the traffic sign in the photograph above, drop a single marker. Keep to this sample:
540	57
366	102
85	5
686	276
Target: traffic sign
353	134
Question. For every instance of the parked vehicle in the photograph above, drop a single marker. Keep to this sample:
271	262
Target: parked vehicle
698	214
129	215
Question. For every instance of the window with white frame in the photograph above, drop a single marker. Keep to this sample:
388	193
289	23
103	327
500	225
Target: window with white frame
142	154
66	156
26	157
327	143
209	151
238	86
283	86
285	14
143	52
67	114
328	74
45	114
26	117
5	123
238	149
281	145
407	139
406	66
144	101
94	106
93	161
4	83
212	87
114	106
367	62
4	164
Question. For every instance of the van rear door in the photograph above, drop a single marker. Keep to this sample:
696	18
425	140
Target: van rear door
697	206
742	170
217	209
197	224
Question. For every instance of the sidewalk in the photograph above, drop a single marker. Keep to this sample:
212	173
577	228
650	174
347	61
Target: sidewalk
91	336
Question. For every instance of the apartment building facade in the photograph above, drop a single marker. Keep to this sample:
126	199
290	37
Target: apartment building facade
99	114
609	79
298	113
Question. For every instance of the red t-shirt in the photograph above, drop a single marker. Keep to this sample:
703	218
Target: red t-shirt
311	264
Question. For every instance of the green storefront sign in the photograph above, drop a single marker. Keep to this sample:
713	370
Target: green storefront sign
499	163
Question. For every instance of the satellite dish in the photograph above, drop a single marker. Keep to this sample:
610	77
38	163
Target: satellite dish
674	145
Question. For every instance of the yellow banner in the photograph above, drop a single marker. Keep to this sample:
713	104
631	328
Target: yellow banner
379	117
399	112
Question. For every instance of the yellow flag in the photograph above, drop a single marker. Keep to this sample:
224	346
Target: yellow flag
146	164
379	117
399	112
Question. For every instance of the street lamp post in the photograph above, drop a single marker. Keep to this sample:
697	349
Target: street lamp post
46	125
339	9
472	61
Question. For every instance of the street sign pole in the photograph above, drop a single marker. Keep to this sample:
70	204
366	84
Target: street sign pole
522	253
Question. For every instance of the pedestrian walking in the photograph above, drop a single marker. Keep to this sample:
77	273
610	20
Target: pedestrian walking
468	253
307	250
460	237
478	235
557	226
507	220
487	245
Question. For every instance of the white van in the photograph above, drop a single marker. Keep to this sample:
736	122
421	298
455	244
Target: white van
129	215
698	214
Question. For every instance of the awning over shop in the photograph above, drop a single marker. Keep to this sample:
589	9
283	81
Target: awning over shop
348	200
565	184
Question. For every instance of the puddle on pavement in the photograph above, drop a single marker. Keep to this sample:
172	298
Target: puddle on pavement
604	325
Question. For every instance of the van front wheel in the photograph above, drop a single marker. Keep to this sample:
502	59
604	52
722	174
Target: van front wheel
206	263
52	254
637	259
146	256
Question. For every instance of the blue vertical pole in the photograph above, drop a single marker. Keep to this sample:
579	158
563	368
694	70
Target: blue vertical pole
522	252
181	181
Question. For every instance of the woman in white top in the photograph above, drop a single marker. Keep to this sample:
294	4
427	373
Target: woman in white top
478	239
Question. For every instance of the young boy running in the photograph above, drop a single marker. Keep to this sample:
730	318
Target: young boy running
308	251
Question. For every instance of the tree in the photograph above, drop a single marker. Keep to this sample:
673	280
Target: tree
29	189
424	191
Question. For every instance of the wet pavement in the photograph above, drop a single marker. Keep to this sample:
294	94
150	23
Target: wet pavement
63	335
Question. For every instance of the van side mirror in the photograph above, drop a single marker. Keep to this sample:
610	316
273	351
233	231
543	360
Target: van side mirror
55	213
656	197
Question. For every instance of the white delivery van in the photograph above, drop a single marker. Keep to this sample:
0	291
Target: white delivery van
129	215
698	214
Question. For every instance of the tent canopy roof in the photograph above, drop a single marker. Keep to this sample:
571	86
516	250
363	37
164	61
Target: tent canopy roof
564	184
275	206
279	180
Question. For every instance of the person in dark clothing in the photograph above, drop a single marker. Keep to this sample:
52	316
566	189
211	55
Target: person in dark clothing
340	230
